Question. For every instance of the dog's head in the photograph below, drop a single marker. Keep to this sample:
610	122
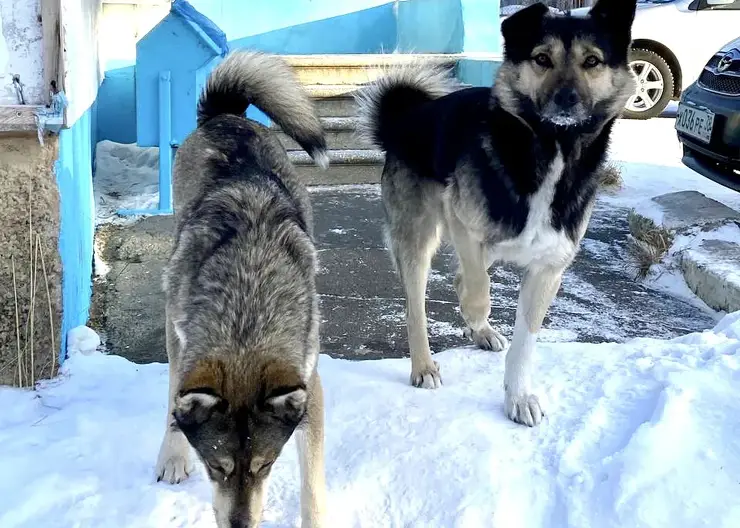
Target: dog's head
238	425
567	70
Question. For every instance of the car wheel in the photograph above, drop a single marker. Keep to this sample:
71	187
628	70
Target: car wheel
654	85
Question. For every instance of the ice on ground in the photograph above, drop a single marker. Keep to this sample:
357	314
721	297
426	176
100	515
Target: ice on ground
126	177
643	433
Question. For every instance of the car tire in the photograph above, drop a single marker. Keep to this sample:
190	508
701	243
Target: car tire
651	103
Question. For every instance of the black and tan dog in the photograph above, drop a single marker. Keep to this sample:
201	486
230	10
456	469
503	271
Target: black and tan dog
242	308
508	174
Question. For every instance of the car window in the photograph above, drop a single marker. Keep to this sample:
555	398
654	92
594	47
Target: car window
716	5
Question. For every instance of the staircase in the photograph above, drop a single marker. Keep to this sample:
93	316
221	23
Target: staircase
331	80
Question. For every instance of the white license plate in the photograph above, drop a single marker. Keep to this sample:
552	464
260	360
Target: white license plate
694	122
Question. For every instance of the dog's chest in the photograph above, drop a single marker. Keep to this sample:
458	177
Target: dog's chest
539	243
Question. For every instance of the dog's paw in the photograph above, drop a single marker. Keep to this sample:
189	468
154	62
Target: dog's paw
173	469
523	408
426	377
486	338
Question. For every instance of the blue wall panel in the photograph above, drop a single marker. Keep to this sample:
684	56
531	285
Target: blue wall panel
367	31
77	211
116	104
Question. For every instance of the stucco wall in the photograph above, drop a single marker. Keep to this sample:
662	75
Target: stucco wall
21	51
29	211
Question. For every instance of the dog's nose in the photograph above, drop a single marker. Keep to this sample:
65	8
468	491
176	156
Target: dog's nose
566	98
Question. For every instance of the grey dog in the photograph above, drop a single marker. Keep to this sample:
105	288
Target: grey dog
242	309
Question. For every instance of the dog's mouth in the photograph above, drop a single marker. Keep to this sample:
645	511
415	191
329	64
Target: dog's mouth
564	119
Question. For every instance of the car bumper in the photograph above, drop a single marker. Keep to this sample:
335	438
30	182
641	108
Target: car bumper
720	159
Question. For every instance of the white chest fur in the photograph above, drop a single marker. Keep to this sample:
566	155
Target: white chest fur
539	244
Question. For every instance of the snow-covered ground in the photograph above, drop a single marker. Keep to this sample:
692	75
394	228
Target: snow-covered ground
640	434
650	157
126	177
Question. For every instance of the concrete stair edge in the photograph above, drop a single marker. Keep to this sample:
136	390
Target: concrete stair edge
340	157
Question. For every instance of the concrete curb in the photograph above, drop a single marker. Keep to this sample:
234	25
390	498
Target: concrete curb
712	271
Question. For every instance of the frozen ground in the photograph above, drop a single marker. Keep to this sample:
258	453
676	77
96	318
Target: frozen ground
642	433
126	177
639	434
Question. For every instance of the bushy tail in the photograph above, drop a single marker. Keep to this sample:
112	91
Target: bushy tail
384	101
267	82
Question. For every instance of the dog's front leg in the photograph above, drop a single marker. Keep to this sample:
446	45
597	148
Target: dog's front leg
538	290
173	462
310	443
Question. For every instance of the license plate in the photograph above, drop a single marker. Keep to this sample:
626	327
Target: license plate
694	122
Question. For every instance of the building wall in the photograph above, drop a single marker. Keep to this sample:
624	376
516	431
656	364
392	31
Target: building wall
21	51
30	216
298	27
73	170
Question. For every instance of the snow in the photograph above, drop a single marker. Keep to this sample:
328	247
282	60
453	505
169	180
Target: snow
82	340
649	155
643	433
126	177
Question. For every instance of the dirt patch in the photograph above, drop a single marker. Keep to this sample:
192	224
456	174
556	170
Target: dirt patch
30	267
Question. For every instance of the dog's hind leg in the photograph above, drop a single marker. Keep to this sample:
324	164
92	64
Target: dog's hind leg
310	442
473	286
173	460
413	236
538	290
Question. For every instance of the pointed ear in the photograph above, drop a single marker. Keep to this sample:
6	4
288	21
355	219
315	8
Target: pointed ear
194	408
615	15
522	30
287	404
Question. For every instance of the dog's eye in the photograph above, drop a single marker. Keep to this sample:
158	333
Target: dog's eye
543	60
591	62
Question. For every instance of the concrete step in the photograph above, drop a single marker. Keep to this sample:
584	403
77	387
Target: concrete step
347	166
340	135
334	100
355	69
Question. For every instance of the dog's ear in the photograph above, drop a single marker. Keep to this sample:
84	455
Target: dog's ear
195	407
287	404
521	31
614	15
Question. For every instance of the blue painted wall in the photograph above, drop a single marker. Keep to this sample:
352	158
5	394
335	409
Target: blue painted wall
117	105
311	26
434	26
172	45
366	31
77	211
240	18
482	26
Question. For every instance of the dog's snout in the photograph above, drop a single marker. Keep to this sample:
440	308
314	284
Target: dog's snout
566	98
240	523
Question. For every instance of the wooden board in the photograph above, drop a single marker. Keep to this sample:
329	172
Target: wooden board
18	118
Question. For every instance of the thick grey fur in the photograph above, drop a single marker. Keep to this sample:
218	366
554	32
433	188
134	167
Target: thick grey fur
242	309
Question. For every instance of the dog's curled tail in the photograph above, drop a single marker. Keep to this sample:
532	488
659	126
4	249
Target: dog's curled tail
383	102
266	81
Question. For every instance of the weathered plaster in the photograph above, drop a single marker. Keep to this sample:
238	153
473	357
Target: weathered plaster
21	51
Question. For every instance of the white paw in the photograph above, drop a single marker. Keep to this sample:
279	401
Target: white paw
173	464
426	377
523	408
486	338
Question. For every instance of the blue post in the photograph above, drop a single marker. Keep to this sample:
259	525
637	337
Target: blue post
165	151
165	143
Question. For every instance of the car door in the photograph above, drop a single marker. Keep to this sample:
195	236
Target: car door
716	23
